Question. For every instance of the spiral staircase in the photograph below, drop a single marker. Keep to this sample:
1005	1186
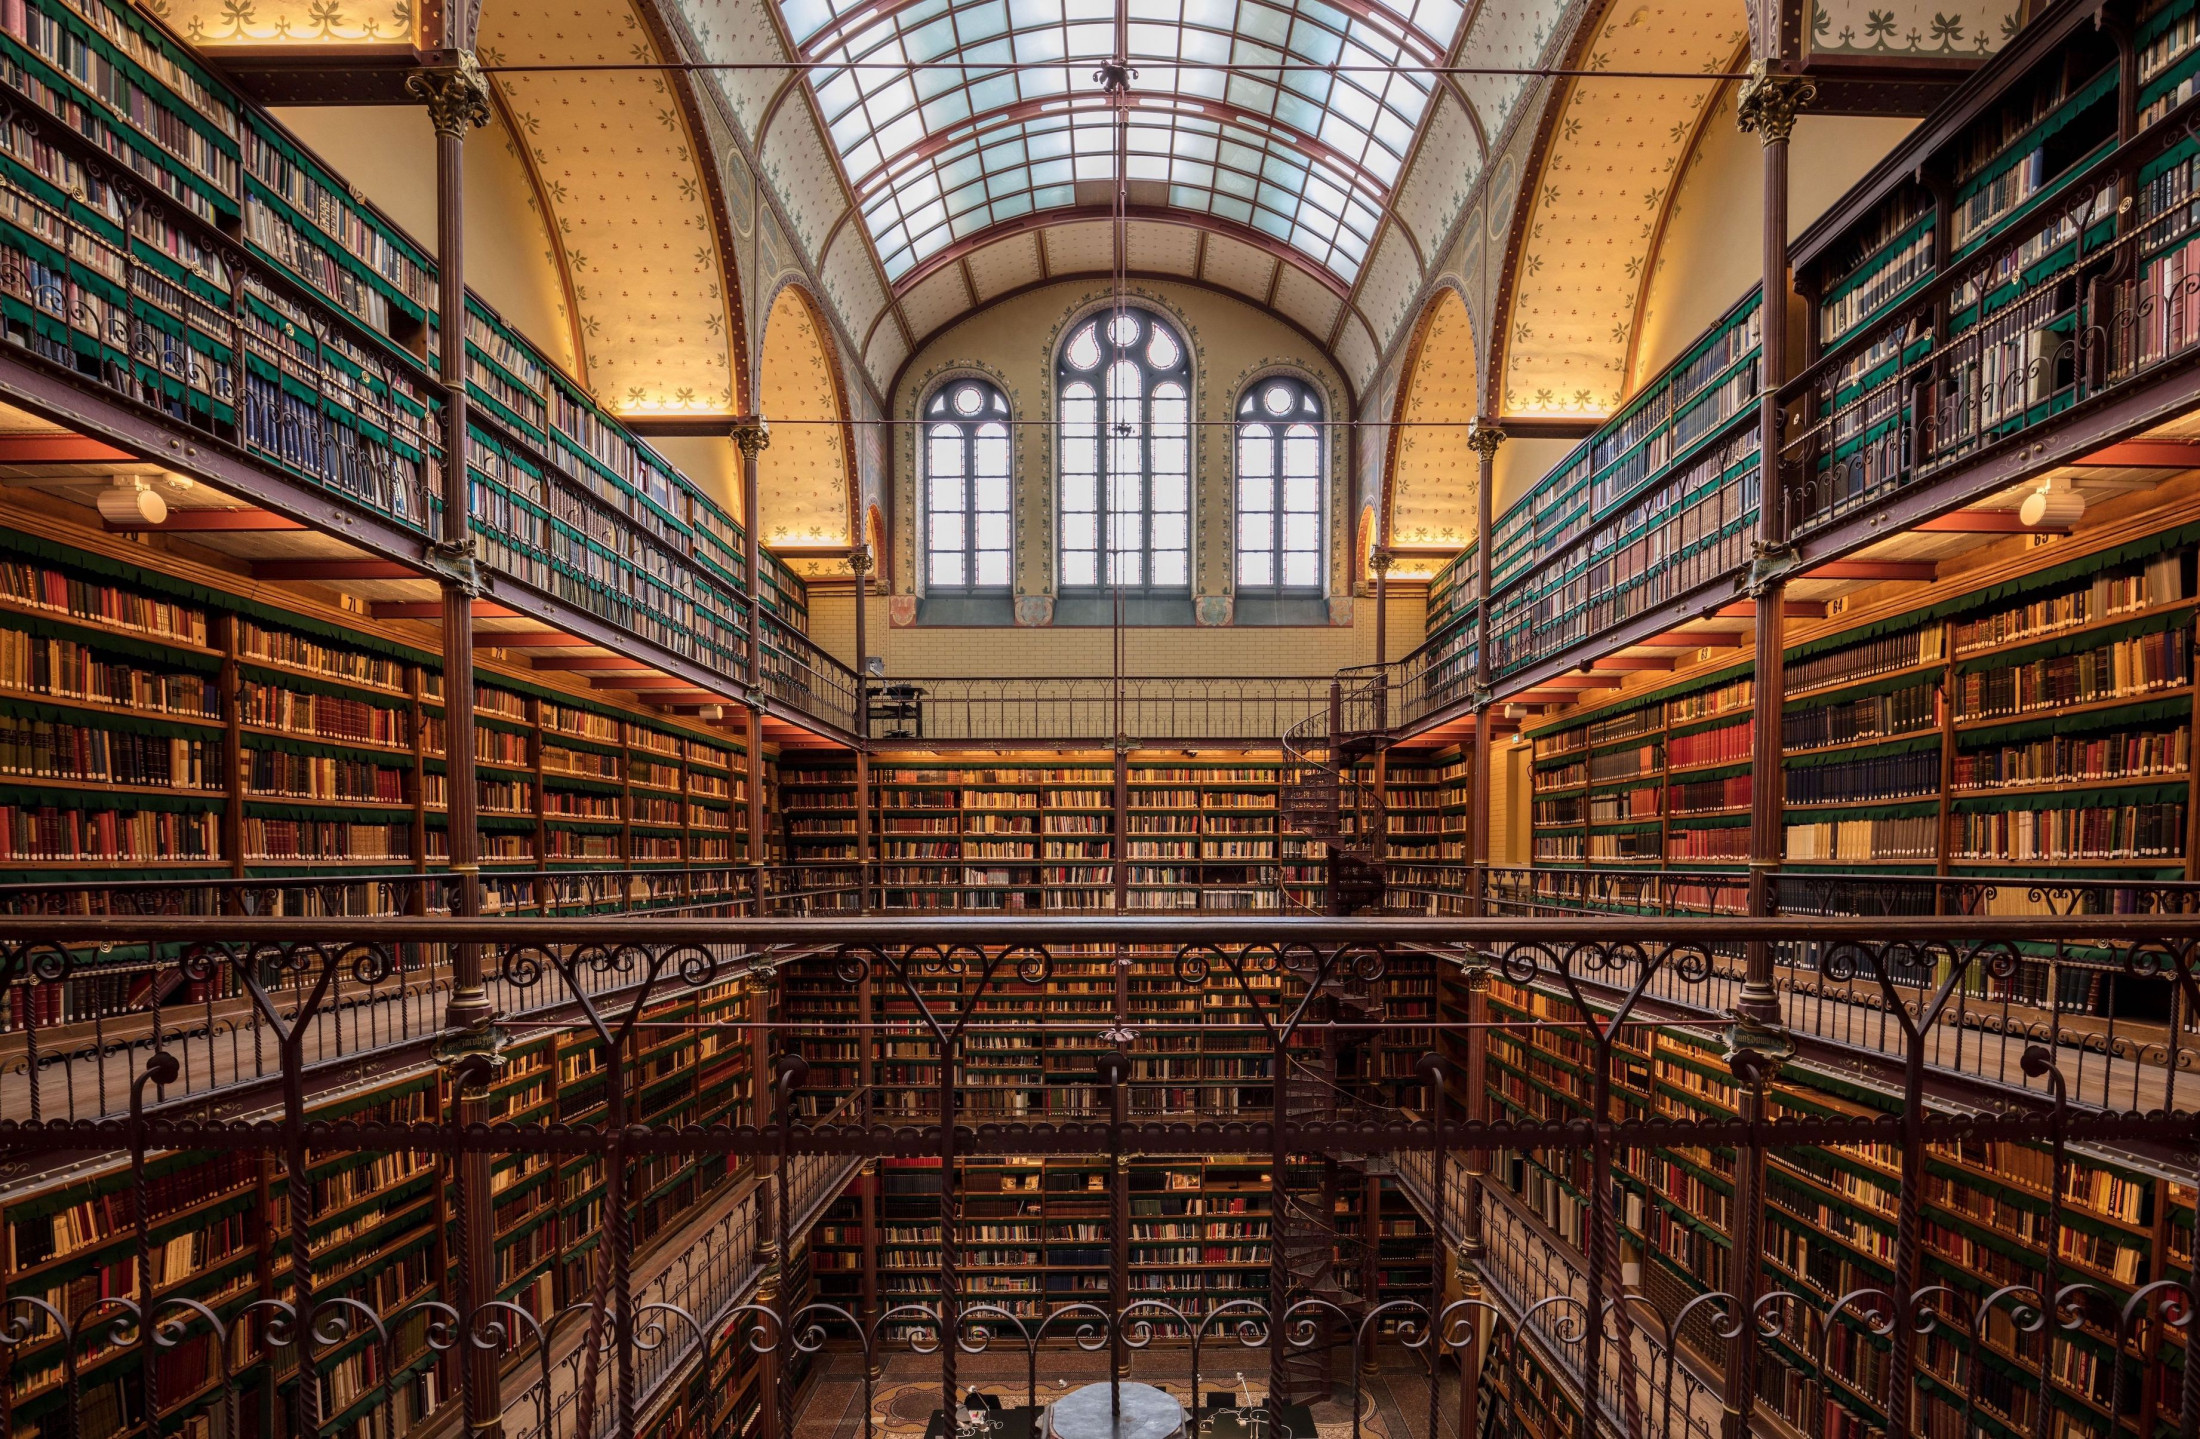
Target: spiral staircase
1318	1260
1324	796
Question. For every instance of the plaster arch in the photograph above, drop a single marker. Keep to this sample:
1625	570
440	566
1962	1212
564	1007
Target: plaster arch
1610	156
806	481
1431	473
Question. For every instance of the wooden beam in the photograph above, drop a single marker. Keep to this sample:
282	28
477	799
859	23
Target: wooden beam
644	680
61	450
530	640
1747	610
203	521
361	569
1708	640
1873	570
1622	664
2144	454
713	427
433	610
1578	682
588	662
1985	522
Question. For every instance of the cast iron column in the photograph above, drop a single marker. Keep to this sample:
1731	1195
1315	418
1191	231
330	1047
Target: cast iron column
1485	439
457	96
753	437
1768	106
859	560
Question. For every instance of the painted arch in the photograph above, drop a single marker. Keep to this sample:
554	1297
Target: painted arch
1432	474
806	485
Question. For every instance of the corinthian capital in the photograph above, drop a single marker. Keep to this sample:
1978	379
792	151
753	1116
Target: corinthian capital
456	94
1770	101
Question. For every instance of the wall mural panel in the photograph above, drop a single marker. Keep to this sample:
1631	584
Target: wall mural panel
1913	29
804	489
612	155
1606	178
1435	477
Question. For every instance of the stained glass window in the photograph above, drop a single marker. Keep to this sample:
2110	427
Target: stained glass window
1124	441
966	488
1279	488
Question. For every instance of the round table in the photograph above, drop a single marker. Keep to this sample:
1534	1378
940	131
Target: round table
1144	1412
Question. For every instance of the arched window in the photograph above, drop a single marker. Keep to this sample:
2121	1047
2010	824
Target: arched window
1126	474
1279	488
966	485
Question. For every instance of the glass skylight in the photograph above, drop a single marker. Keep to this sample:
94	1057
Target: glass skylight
1307	157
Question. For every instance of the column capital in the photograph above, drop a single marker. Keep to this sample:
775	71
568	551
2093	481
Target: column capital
1484	438
752	434
859	560
1770	101
456	93
1380	561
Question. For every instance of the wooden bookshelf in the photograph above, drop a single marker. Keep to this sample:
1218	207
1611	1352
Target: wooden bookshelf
567	500
156	724
2045	721
1830	1219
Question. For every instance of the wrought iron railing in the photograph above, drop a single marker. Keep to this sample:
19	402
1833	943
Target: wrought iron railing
1093	709
106	282
1578	1318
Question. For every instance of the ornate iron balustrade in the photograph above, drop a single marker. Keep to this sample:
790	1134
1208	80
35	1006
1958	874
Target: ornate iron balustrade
1956	372
1586	1323
1091	710
109	284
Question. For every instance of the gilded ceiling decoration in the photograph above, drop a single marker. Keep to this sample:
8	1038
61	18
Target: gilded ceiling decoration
1913	29
1434	474
210	23
1612	160
625	187
803	479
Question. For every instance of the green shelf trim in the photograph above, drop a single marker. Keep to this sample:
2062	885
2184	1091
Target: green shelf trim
306	684
2077	643
503	722
1863	689
2096	89
98	640
99	567
581	783
26	709
1626	827
318	749
1716	821
1905	810
559	739
2124	717
1819	759
1710	722
2177	793
505	823
293	809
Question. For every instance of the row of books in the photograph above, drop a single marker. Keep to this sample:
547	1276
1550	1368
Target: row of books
2160	581
2108	832
2139	665
43	749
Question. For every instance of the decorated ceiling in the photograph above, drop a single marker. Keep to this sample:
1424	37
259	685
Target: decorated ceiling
1433	472
1595	209
803	481
628	201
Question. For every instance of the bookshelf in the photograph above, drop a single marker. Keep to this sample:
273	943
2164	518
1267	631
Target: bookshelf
564	500
2040	723
1003	830
155	725
1656	502
380	1225
1830	1218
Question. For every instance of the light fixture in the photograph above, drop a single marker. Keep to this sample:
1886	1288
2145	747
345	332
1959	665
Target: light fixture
176	482
711	712
1515	711
131	503
2053	503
